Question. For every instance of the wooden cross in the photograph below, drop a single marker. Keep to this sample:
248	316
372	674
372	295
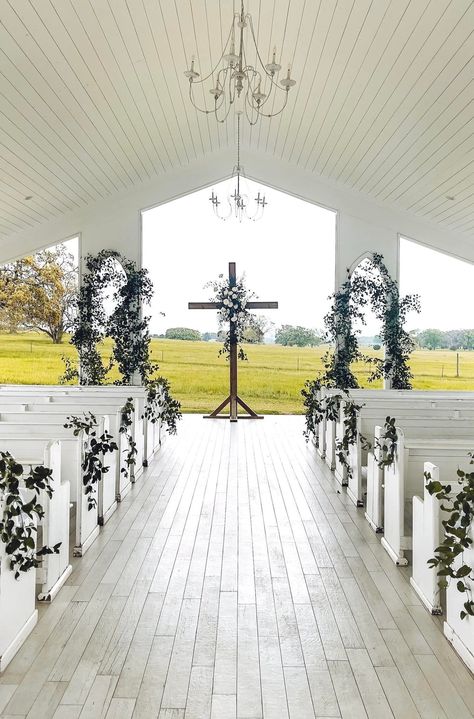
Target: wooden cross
233	400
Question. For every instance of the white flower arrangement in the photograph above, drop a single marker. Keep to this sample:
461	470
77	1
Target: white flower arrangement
232	301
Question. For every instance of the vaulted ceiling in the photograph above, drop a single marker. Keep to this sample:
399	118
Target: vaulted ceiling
94	100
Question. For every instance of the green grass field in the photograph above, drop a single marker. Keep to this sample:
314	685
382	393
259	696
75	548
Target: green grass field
270	381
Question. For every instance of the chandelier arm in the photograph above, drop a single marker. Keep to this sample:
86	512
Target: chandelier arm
204	79
268	74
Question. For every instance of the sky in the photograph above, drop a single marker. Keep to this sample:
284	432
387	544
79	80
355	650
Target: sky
287	256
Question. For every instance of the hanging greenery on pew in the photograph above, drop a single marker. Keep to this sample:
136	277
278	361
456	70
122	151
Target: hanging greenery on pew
96	448
160	404
457	534
387	443
17	524
132	288
126	421
349	437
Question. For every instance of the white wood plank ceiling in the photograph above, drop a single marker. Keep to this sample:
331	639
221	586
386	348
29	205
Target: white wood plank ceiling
93	98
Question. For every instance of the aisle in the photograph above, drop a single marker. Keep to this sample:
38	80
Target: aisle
236	581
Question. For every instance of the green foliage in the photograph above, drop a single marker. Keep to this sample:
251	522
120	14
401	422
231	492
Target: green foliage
387	443
182	333
39	293
457	534
391	310
433	339
289	336
17	525
126	326
96	448
126	421
161	405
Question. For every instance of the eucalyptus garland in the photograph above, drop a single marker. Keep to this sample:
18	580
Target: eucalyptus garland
391	310
160	404
233	311
371	285
349	437
17	524
126	326
387	443
126	421
96	448
457	534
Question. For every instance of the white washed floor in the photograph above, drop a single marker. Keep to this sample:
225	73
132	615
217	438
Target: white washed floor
236	581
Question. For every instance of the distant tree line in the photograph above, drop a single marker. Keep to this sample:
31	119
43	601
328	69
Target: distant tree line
433	339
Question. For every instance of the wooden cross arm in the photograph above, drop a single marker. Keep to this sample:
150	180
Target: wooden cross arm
204	305
217	305
262	305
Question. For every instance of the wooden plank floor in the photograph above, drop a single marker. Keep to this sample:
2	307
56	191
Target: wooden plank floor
236	582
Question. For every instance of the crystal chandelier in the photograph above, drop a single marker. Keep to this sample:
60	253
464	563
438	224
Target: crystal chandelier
238	203
239	82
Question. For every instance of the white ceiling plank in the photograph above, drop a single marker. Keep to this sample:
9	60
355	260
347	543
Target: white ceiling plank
420	92
398	35
87	60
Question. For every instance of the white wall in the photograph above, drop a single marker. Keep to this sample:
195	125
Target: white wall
363	225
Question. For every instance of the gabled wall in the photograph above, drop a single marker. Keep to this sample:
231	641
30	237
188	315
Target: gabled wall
362	225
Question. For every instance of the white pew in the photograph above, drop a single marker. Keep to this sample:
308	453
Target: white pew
96	402
371	416
87	522
113	480
59	411
427	533
460	632
327	432
18	614
404	478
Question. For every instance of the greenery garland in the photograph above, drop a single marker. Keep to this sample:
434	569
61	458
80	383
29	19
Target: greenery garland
370	285
17	525
126	326
457	534
160	404
96	448
391	310
126	421
387	443
232	301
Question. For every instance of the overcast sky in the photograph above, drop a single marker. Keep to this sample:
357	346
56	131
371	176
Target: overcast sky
287	256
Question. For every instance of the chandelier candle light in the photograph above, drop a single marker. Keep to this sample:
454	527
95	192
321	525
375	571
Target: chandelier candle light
239	206
238	81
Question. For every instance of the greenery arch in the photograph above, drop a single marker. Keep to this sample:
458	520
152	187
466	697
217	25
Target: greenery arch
126	326
369	284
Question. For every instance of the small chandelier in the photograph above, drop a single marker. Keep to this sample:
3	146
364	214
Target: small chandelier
238	203
239	81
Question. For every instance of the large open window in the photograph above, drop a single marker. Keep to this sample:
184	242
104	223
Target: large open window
287	256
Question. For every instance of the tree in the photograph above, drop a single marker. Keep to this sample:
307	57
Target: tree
182	333
258	326
39	293
431	339
289	335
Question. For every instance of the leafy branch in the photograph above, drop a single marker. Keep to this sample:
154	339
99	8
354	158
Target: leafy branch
17	526
93	467
160	404
126	421
387	443
457	534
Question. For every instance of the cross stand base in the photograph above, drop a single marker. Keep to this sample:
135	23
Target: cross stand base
233	417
